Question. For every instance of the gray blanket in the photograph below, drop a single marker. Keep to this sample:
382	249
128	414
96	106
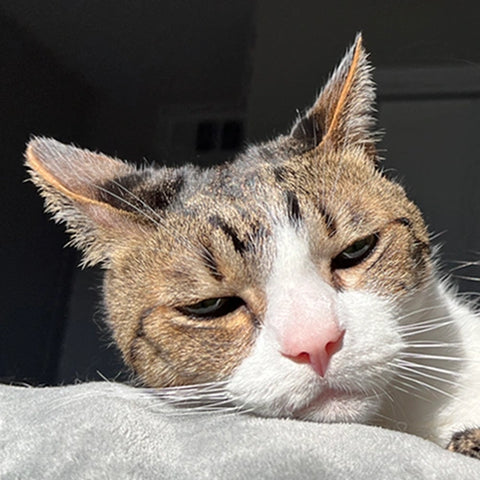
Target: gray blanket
103	431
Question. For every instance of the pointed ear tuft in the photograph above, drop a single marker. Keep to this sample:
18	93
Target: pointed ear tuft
343	112
70	179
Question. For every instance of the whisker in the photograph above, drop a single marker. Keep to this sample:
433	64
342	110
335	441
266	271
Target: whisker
428	367
412	389
196	386
462	264
129	204
432	357
137	198
465	277
420	344
416	312
468	294
437	235
427	322
419	329
426	385
416	371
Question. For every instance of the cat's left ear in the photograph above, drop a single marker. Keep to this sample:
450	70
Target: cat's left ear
342	114
102	200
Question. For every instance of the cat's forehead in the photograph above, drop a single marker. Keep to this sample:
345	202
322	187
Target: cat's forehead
276	183
232	214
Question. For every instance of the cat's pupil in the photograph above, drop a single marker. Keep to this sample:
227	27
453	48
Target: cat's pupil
355	253
212	307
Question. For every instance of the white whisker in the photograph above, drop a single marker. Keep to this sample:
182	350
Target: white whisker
432	357
420	344
425	385
465	277
417	371
129	204
428	367
417	330
136	197
417	312
412	389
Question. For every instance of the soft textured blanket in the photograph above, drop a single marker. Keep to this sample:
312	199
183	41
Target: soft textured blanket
103	430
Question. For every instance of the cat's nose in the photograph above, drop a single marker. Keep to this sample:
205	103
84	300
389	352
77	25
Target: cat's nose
315	348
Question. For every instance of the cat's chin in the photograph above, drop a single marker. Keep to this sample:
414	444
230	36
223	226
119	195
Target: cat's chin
329	406
339	407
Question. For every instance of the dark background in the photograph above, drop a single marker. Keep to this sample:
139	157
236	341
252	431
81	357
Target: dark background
174	81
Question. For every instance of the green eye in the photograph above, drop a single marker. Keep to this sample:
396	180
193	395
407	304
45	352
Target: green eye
356	253
212	307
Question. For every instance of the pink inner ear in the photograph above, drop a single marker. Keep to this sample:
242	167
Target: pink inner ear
75	172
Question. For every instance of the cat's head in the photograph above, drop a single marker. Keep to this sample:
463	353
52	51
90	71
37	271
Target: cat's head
281	274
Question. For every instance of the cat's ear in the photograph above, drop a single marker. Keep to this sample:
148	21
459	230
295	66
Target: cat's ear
342	114
80	189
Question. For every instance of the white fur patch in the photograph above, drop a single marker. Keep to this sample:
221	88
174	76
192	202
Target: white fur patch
297	297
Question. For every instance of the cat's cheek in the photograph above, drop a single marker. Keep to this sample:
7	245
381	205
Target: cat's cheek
170	349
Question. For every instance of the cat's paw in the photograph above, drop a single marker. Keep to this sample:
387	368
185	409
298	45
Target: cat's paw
466	442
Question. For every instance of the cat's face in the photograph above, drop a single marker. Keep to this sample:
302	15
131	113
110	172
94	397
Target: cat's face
281	275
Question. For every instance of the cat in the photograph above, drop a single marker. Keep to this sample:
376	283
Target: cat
297	280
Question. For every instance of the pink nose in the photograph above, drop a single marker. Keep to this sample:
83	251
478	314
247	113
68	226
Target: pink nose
315	348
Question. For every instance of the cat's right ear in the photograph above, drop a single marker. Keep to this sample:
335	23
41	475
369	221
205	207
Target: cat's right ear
76	185
341	116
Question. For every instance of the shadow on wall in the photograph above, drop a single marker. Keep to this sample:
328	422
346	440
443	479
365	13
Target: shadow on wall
37	97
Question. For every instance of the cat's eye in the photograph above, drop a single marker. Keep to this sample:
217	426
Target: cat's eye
212	307
356	253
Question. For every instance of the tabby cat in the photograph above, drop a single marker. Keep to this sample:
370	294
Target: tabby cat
296	281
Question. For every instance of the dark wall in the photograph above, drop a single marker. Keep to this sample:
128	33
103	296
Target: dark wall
37	96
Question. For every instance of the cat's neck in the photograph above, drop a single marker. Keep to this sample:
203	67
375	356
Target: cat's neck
440	367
